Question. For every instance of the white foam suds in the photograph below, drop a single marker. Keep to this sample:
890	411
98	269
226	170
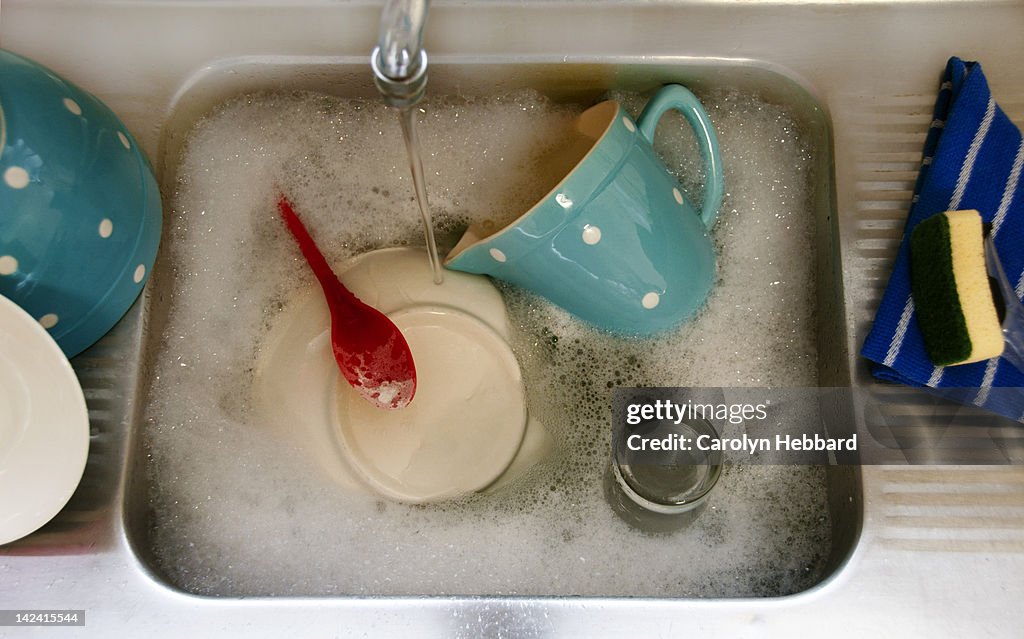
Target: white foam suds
239	509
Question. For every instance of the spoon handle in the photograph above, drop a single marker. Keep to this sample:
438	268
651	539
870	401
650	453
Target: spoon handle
328	280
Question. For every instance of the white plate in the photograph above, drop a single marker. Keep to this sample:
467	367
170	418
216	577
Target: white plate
44	425
465	424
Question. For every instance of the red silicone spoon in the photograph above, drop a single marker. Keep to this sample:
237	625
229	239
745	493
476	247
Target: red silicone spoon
370	350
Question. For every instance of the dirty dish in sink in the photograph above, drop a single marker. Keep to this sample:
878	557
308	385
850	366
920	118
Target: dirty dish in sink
468	425
44	425
616	242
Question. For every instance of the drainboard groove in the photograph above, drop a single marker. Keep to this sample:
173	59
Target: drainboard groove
893	161
894	110
871	278
886	150
1012	546
871	291
967	453
873	119
902	196
980	486
96	416
964	442
955	521
101	403
874	282
879	238
108	385
893	107
883	182
100	377
875	288
896	390
956	498
963	416
874	270
899	206
887	223
902	177
876	243
98	362
99	392
958	476
906	170
879	253
870	217
876	274
946	414
959	534
888	138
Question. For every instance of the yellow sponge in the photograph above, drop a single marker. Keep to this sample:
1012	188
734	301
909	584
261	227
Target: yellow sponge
955	307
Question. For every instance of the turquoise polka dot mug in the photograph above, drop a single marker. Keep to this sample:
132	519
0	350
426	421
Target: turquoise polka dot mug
80	211
616	242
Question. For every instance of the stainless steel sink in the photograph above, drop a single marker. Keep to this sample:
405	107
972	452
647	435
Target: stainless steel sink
794	543
860	77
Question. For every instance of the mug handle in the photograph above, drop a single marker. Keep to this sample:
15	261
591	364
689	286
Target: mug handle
674	96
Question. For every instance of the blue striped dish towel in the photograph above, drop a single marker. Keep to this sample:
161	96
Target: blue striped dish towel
972	160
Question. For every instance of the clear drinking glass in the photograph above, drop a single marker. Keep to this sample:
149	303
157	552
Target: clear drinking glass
663	490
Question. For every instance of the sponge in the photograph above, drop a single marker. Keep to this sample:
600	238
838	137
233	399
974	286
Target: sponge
956	310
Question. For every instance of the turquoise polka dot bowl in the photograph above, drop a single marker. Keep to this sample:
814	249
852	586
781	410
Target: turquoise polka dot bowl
80	211
616	242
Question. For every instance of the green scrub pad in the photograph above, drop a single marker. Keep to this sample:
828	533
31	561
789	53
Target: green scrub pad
955	307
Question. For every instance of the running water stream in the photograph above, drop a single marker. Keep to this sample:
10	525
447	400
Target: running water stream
407	117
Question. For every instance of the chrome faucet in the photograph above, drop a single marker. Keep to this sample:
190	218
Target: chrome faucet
399	62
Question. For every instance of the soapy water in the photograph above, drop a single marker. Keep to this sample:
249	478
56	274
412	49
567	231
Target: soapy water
239	510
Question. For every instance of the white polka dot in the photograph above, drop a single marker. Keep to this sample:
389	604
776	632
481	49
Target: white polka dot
497	255
563	200
8	265
650	300
140	272
106	228
124	140
628	123
49	320
72	106
677	195
591	234
16	177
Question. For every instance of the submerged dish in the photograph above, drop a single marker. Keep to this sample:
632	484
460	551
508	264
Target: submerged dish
468	422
